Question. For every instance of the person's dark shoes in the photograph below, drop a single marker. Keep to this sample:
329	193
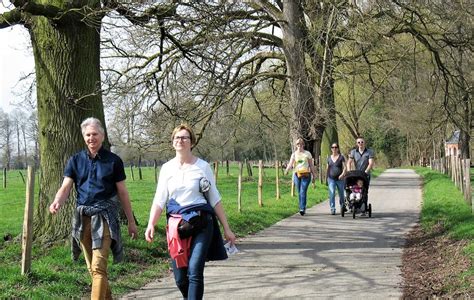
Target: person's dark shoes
302	212
333	212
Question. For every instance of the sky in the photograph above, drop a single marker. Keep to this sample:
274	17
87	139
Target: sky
16	60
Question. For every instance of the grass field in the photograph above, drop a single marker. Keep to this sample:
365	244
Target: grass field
55	275
444	207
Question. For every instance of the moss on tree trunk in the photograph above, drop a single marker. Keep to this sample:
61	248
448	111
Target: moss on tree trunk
67	63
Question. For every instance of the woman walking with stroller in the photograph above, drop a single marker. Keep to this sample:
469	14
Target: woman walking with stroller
336	169
303	172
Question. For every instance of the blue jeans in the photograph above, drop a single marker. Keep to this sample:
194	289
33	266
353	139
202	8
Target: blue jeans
301	185
190	279
332	185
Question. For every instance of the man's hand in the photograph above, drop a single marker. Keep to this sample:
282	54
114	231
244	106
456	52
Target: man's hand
54	207
132	230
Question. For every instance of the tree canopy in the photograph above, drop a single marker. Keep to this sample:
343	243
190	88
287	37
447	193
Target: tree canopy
249	76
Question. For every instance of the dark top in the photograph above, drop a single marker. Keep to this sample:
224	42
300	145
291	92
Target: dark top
335	168
95	178
361	160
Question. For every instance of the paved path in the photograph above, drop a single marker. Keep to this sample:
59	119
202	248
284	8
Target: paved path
318	256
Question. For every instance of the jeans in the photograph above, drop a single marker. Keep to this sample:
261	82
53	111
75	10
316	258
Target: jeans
332	185
96	260
302	185
190	279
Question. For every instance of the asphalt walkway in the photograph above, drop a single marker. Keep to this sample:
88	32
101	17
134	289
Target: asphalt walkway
318	256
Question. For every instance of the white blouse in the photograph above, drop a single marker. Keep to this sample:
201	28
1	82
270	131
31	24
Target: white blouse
182	184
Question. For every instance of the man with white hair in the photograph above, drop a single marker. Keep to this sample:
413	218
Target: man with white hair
99	179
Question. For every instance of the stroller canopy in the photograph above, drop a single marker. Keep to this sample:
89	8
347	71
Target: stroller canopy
354	175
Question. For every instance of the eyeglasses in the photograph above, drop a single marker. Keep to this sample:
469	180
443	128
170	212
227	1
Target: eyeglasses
182	138
360	142
334	147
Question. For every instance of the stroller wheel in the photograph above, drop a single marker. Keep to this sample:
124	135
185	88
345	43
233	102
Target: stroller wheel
353	213
342	212
370	210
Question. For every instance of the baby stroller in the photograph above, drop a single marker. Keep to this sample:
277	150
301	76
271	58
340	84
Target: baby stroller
355	205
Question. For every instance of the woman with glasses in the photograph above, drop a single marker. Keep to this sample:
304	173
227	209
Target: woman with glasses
181	190
336	169
303	172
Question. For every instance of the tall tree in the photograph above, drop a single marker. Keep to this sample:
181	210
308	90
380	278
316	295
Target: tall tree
227	50
65	36
445	29
6	134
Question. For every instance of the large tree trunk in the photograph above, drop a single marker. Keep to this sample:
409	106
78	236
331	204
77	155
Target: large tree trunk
67	61
301	88
330	129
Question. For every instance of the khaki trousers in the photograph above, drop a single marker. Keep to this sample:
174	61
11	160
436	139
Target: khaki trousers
96	260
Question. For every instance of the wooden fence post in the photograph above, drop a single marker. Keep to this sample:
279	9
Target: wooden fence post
27	237
227	167
277	178
22	177
454	171
260	182
249	169
216	171
459	173
320	169
239	188
155	166
467	181
4	178
131	171
443	164
292	186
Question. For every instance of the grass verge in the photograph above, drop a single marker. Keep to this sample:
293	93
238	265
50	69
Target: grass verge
55	275
445	212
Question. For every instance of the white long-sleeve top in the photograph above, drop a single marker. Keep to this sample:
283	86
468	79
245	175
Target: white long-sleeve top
182	184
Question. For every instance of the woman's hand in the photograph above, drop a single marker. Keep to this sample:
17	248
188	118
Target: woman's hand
149	233
229	236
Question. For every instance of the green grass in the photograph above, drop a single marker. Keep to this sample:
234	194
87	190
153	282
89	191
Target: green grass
55	275
12	203
444	205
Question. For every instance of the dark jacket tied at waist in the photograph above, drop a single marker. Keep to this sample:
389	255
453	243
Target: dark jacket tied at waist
104	210
216	248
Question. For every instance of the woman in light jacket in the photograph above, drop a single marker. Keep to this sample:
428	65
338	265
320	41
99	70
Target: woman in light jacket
179	191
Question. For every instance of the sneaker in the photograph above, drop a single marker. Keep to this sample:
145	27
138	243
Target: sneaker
333	212
302	212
